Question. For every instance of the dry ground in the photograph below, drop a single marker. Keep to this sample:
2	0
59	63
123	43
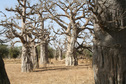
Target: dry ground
54	73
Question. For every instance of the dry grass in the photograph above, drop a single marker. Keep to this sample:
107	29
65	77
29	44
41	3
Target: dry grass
55	73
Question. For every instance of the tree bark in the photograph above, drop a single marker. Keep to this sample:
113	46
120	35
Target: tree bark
56	54
109	57
60	54
71	58
27	59
110	44
3	75
44	53
35	57
43	46
27	65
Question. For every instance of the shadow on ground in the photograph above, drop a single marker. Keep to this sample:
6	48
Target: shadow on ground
61	68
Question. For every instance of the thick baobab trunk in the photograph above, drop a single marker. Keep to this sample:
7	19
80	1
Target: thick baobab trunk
3	75
27	59
44	53
109	57
71	58
109	53
43	46
27	65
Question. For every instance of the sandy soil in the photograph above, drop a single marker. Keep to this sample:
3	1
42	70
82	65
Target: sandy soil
54	73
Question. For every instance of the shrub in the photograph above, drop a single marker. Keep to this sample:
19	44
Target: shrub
14	52
4	51
50	52
87	53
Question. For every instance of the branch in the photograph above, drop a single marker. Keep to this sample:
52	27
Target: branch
63	9
79	8
19	11
61	20
13	43
20	3
63	26
84	47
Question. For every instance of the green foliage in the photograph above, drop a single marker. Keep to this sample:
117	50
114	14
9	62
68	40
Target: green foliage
38	51
50	52
4	51
87	53
14	52
63	55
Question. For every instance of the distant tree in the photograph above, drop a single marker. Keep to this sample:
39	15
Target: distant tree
50	52
70	17
30	32
42	17
22	11
59	44
14	52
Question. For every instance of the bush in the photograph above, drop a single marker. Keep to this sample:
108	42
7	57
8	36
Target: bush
4	51
87	53
50	52
14	52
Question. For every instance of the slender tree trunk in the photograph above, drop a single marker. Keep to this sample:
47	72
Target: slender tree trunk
44	53
56	54
3	75
60	54
27	65
109	53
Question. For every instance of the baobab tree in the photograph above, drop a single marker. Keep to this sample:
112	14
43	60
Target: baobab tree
3	75
28	32
110	41
42	17
72	16
58	44
27	64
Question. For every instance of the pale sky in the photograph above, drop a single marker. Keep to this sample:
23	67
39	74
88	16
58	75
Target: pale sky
6	3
